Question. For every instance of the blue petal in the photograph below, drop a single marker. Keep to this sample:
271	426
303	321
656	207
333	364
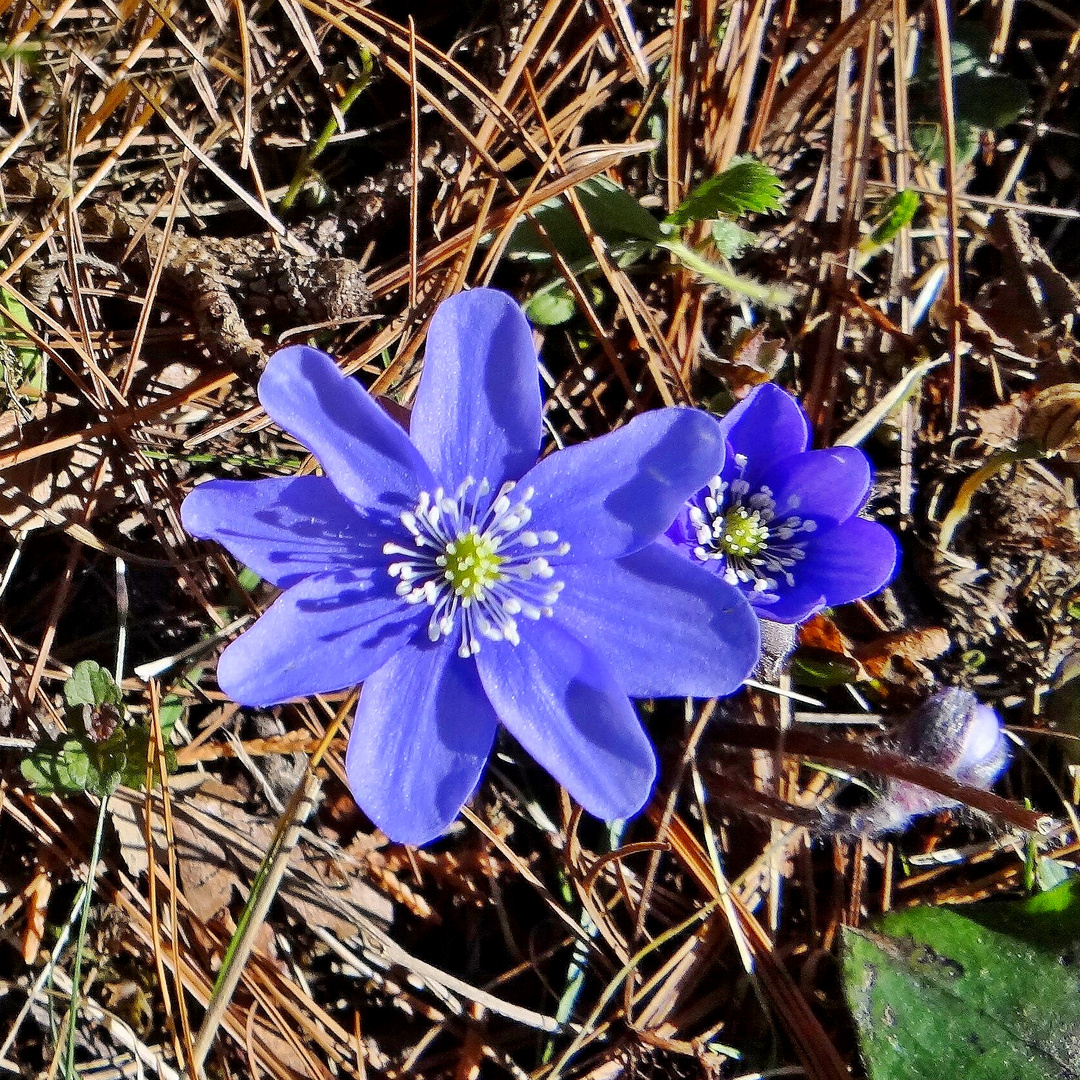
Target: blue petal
767	425
666	627
563	704
285	528
829	485
477	409
612	495
321	635
422	735
368	457
853	560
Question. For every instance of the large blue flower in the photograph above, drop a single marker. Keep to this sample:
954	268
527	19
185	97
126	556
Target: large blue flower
468	584
781	521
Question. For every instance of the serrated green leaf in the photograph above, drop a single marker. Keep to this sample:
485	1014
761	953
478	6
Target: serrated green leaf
746	186
731	240
992	988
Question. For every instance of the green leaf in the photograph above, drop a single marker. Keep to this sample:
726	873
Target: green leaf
746	186
615	214
991	988
990	102
20	359
90	684
894	214
64	765
928	141
248	579
731	240
553	305
625	226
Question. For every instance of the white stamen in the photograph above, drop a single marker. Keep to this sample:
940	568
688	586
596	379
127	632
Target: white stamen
474	563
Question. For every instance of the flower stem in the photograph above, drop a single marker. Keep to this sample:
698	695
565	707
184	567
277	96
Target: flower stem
303	170
971	485
264	888
769	295
76	979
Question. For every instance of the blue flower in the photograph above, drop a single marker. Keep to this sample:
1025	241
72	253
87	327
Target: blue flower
468	584
781	521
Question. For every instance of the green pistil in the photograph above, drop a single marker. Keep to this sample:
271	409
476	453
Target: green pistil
470	565
743	534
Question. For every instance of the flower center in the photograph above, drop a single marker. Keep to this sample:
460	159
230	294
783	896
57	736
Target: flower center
478	569
756	541
743	532
471	565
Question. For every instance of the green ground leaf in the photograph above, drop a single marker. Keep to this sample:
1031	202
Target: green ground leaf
626	227
990	101
90	684
991	989
894	214
746	186
553	305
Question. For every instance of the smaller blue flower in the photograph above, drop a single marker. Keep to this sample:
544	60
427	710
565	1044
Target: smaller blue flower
780	521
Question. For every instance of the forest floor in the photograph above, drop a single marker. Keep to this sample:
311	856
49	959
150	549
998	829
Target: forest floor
185	186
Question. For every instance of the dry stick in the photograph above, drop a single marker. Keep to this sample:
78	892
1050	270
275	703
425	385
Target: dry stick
850	34
170	838
155	275
263	890
414	166
120	422
245	60
855	756
151	876
819	1056
943	41
1062	77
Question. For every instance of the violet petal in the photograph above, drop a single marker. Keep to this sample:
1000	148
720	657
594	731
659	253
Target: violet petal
766	426
830	485
560	700
421	738
284	528
321	635
853	560
367	455
478	405
614	494
666	627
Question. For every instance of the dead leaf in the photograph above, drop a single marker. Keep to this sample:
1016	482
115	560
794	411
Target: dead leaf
899	659
219	846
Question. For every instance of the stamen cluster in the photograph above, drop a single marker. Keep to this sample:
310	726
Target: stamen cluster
475	559
743	528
